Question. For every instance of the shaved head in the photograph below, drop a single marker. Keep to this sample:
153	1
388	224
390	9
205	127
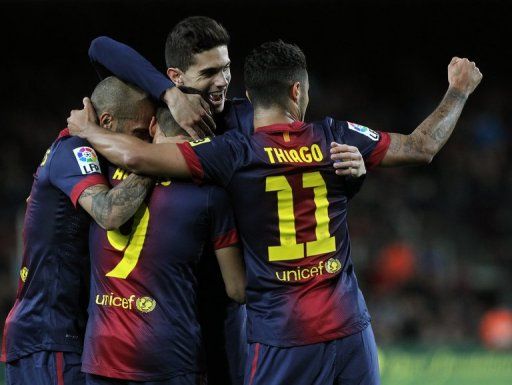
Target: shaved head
122	107
119	99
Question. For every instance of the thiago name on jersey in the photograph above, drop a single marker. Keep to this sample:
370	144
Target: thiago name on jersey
304	154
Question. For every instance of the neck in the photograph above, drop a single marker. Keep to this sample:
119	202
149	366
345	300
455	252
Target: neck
273	115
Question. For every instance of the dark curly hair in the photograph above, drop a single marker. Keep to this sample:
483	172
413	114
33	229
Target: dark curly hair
190	36
271	69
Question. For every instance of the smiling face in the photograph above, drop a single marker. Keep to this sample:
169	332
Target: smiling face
209	73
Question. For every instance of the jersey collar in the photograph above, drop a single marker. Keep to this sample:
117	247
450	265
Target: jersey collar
294	126
63	133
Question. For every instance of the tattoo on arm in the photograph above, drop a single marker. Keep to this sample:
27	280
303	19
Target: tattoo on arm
430	136
112	208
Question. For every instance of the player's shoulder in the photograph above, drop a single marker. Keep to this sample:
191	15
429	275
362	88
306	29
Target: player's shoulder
65	141
65	144
241	103
68	152
327	127
329	123
342	128
242	116
234	136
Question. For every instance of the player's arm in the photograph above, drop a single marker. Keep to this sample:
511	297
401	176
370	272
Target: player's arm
74	169
429	137
190	111
233	272
126	151
225	239
112	207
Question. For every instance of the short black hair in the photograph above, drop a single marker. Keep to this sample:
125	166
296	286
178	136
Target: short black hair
271	69
190	36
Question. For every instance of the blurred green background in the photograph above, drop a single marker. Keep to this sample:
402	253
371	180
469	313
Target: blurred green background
445	366
416	365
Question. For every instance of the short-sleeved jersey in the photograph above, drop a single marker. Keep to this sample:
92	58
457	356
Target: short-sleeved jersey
51	302
291	211
143	322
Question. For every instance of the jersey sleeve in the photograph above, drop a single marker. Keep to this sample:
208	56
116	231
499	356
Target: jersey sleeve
127	64
74	167
222	219
372	145
213	159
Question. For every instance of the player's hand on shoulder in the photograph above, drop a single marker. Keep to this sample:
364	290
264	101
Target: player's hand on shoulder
347	160
191	112
80	121
463	75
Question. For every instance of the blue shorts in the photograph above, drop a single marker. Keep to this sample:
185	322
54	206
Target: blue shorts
45	368
187	379
350	360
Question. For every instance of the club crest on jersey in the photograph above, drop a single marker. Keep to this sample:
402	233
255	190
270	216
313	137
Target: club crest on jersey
197	142
364	130
24	274
87	160
145	304
333	265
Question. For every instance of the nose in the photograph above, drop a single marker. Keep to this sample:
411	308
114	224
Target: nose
222	79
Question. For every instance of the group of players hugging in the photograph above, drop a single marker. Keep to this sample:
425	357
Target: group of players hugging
131	196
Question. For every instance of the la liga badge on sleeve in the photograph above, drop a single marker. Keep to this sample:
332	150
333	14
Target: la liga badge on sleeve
87	160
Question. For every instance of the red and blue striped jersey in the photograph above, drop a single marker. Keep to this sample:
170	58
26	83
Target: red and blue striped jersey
143	322
291	212
51	302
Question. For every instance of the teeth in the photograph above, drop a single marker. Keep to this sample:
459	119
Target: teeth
216	96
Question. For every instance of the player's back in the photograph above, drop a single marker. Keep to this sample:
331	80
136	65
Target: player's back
291	209
143	323
301	283
51	301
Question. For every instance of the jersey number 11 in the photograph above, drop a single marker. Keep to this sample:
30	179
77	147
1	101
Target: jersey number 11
289	249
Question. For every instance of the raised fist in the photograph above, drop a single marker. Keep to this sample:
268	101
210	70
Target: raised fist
463	75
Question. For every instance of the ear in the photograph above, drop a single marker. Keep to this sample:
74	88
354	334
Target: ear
295	91
153	127
106	120
176	76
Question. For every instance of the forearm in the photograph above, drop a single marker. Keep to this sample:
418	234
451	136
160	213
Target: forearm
115	147
129	65
137	156
233	272
429	137
112	208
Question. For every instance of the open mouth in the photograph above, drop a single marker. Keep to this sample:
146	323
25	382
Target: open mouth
216	97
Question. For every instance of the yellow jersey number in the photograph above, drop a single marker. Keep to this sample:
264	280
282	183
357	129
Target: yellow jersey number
289	249
131	244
